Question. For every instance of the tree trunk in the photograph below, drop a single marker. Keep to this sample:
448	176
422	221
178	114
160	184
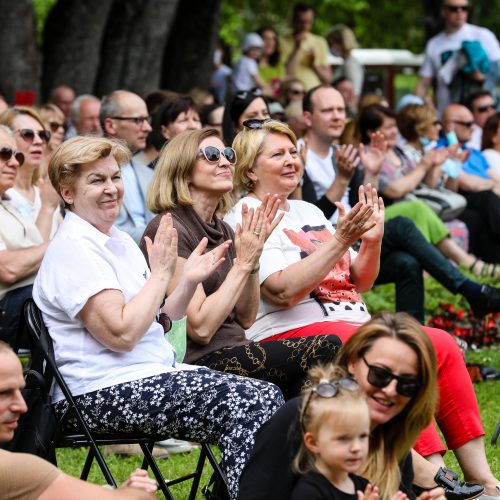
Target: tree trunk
133	45
72	44
188	58
18	51
433	22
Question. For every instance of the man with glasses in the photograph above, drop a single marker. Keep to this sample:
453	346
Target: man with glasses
479	185
124	116
441	48
85	115
482	105
22	247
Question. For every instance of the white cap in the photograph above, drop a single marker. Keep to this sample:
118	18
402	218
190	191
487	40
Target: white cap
252	40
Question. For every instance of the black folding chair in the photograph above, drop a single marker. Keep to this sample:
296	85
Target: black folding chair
43	363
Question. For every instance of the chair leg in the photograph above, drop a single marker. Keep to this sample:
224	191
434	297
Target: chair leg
94	452
88	464
148	457
215	465
496	433
198	472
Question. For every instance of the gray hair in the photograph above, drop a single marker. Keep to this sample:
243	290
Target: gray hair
110	106
75	107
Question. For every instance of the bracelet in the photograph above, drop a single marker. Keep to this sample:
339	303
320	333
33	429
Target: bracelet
255	270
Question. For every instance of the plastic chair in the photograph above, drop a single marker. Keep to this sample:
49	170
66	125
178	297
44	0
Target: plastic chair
43	362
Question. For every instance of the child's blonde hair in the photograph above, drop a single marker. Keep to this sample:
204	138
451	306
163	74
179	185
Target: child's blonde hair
346	406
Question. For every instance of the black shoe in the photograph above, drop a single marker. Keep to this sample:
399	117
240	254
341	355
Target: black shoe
488	301
454	488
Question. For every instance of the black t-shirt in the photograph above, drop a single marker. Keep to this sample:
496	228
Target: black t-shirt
315	486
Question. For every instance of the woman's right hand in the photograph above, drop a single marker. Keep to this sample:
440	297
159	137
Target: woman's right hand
250	236
48	195
351	226
162	253
371	493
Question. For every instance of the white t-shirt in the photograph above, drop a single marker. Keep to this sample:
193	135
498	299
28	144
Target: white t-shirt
493	158
476	137
243	72
321	172
444	42
80	262
301	230
30	209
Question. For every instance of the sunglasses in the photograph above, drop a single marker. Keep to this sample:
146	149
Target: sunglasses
55	126
297	92
255	123
464	124
138	120
436	123
328	390
7	153
212	154
380	377
458	8
243	94
28	135
486	107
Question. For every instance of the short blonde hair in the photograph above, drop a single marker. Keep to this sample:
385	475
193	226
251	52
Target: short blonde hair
344	36
170	183
73	154
248	145
345	407
413	119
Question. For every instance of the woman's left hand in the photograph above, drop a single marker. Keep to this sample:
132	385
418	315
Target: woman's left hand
372	157
270	206
140	479
199	266
370	197
250	236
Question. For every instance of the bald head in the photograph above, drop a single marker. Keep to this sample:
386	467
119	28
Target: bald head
63	96
459	119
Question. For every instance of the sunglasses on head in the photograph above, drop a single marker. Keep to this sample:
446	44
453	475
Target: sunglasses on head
212	154
486	107
380	377
7	153
255	123
329	390
28	135
457	8
243	94
55	126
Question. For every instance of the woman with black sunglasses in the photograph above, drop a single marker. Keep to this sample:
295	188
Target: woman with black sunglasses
32	195
193	181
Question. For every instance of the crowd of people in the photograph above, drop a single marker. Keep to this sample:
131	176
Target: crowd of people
203	257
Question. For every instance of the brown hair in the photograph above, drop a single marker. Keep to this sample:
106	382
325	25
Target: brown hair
490	129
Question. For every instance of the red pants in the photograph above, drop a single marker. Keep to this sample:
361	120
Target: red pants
457	413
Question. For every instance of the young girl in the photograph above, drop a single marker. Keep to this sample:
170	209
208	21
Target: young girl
335	422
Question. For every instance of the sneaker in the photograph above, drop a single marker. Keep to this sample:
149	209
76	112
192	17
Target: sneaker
174	446
133	449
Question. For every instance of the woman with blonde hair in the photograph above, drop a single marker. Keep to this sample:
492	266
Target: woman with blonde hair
32	194
193	182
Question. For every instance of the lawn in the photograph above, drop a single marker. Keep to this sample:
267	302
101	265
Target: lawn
488	394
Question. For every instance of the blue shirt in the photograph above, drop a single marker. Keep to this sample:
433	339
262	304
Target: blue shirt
476	163
135	200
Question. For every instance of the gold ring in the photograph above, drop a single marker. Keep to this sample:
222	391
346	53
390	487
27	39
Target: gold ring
256	233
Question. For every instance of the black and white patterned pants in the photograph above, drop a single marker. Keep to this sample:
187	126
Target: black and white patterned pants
200	405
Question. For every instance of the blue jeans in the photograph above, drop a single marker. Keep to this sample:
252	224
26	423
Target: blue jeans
11	308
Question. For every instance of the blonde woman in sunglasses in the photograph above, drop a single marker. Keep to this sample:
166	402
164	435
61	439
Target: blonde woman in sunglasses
32	194
193	181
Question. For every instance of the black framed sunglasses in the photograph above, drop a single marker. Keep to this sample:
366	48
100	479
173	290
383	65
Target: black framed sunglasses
328	390
464	124
255	123
138	120
380	377
458	8
243	94
486	107
28	135
55	126
7	153
212	154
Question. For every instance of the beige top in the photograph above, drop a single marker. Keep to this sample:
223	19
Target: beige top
16	232
24	476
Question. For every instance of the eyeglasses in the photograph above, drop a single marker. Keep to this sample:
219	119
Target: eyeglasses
212	154
458	8
380	377
464	124
7	153
243	94
138	120
328	390
55	126
297	91
255	123
486	107
28	135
